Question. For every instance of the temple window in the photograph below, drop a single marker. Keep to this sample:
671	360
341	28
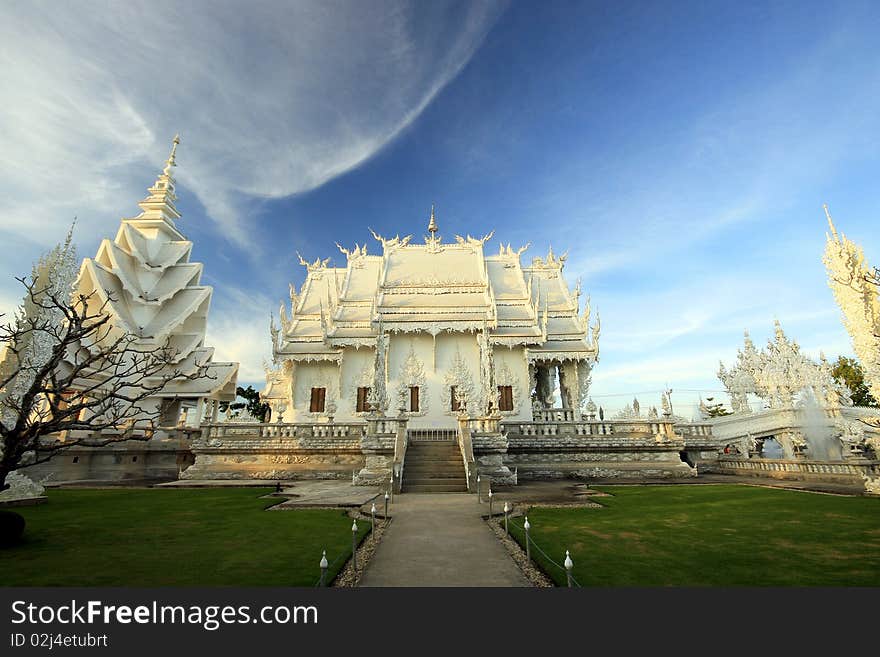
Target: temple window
362	396
414	399
505	398
455	404
317	402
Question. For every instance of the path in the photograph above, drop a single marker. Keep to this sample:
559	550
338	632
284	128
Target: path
440	540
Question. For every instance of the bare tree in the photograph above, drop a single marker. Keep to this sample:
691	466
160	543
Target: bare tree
89	377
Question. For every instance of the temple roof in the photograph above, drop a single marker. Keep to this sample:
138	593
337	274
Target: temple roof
434	287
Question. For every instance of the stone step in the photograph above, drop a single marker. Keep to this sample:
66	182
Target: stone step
435	488
413	476
426	468
457	462
433	448
435	480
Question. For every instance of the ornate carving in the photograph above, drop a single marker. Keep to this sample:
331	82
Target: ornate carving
432	284
460	377
355	256
412	375
544	385
21	486
389	245
378	397
505	377
778	374
317	265
364	379
550	262
584	371
316	377
474	242
857	291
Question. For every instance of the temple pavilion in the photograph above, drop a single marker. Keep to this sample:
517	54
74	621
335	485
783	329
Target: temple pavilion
429	329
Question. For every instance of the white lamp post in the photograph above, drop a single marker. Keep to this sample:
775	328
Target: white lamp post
569	564
323	567
354	533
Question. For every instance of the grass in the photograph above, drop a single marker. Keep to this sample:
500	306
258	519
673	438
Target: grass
711	536
184	537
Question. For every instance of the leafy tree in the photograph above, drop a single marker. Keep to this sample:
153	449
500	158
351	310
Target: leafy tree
850	373
716	409
257	408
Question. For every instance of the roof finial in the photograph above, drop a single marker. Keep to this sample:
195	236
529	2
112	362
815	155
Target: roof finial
170	161
160	202
432	225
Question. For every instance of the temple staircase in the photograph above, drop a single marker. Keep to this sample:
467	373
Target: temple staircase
433	464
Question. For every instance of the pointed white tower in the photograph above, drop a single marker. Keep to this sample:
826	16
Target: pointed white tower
148	283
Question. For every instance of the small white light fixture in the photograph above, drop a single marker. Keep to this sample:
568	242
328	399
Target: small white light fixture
569	564
324	559
354	527
526	524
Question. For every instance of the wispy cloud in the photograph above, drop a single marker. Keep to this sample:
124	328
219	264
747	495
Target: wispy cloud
270	101
238	329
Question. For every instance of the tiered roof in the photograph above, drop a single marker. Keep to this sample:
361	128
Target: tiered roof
154	293
435	287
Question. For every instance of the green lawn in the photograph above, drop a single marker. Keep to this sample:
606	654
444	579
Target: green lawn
182	537
712	536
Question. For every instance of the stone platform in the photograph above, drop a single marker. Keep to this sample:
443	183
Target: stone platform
327	493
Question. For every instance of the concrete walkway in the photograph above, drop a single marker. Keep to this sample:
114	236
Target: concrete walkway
440	540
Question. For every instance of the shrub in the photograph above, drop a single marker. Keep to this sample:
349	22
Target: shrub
11	527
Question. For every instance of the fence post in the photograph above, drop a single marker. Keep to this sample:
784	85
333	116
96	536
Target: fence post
324	568
479	492
391	483
527	527
386	507
373	521
569	564
354	533
490	500
506	510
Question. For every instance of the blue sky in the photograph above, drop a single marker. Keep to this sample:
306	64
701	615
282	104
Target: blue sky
680	151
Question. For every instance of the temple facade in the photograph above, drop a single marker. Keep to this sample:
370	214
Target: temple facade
429	329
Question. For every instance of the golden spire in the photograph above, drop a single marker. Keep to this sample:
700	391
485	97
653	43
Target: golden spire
432	225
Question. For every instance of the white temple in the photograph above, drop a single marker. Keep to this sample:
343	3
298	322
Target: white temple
427	329
153	291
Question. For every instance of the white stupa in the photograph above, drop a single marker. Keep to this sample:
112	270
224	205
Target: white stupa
154	293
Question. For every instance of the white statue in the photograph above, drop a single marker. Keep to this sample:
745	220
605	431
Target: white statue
21	487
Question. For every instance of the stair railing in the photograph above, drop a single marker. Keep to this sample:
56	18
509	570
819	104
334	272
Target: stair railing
400	442
467	450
